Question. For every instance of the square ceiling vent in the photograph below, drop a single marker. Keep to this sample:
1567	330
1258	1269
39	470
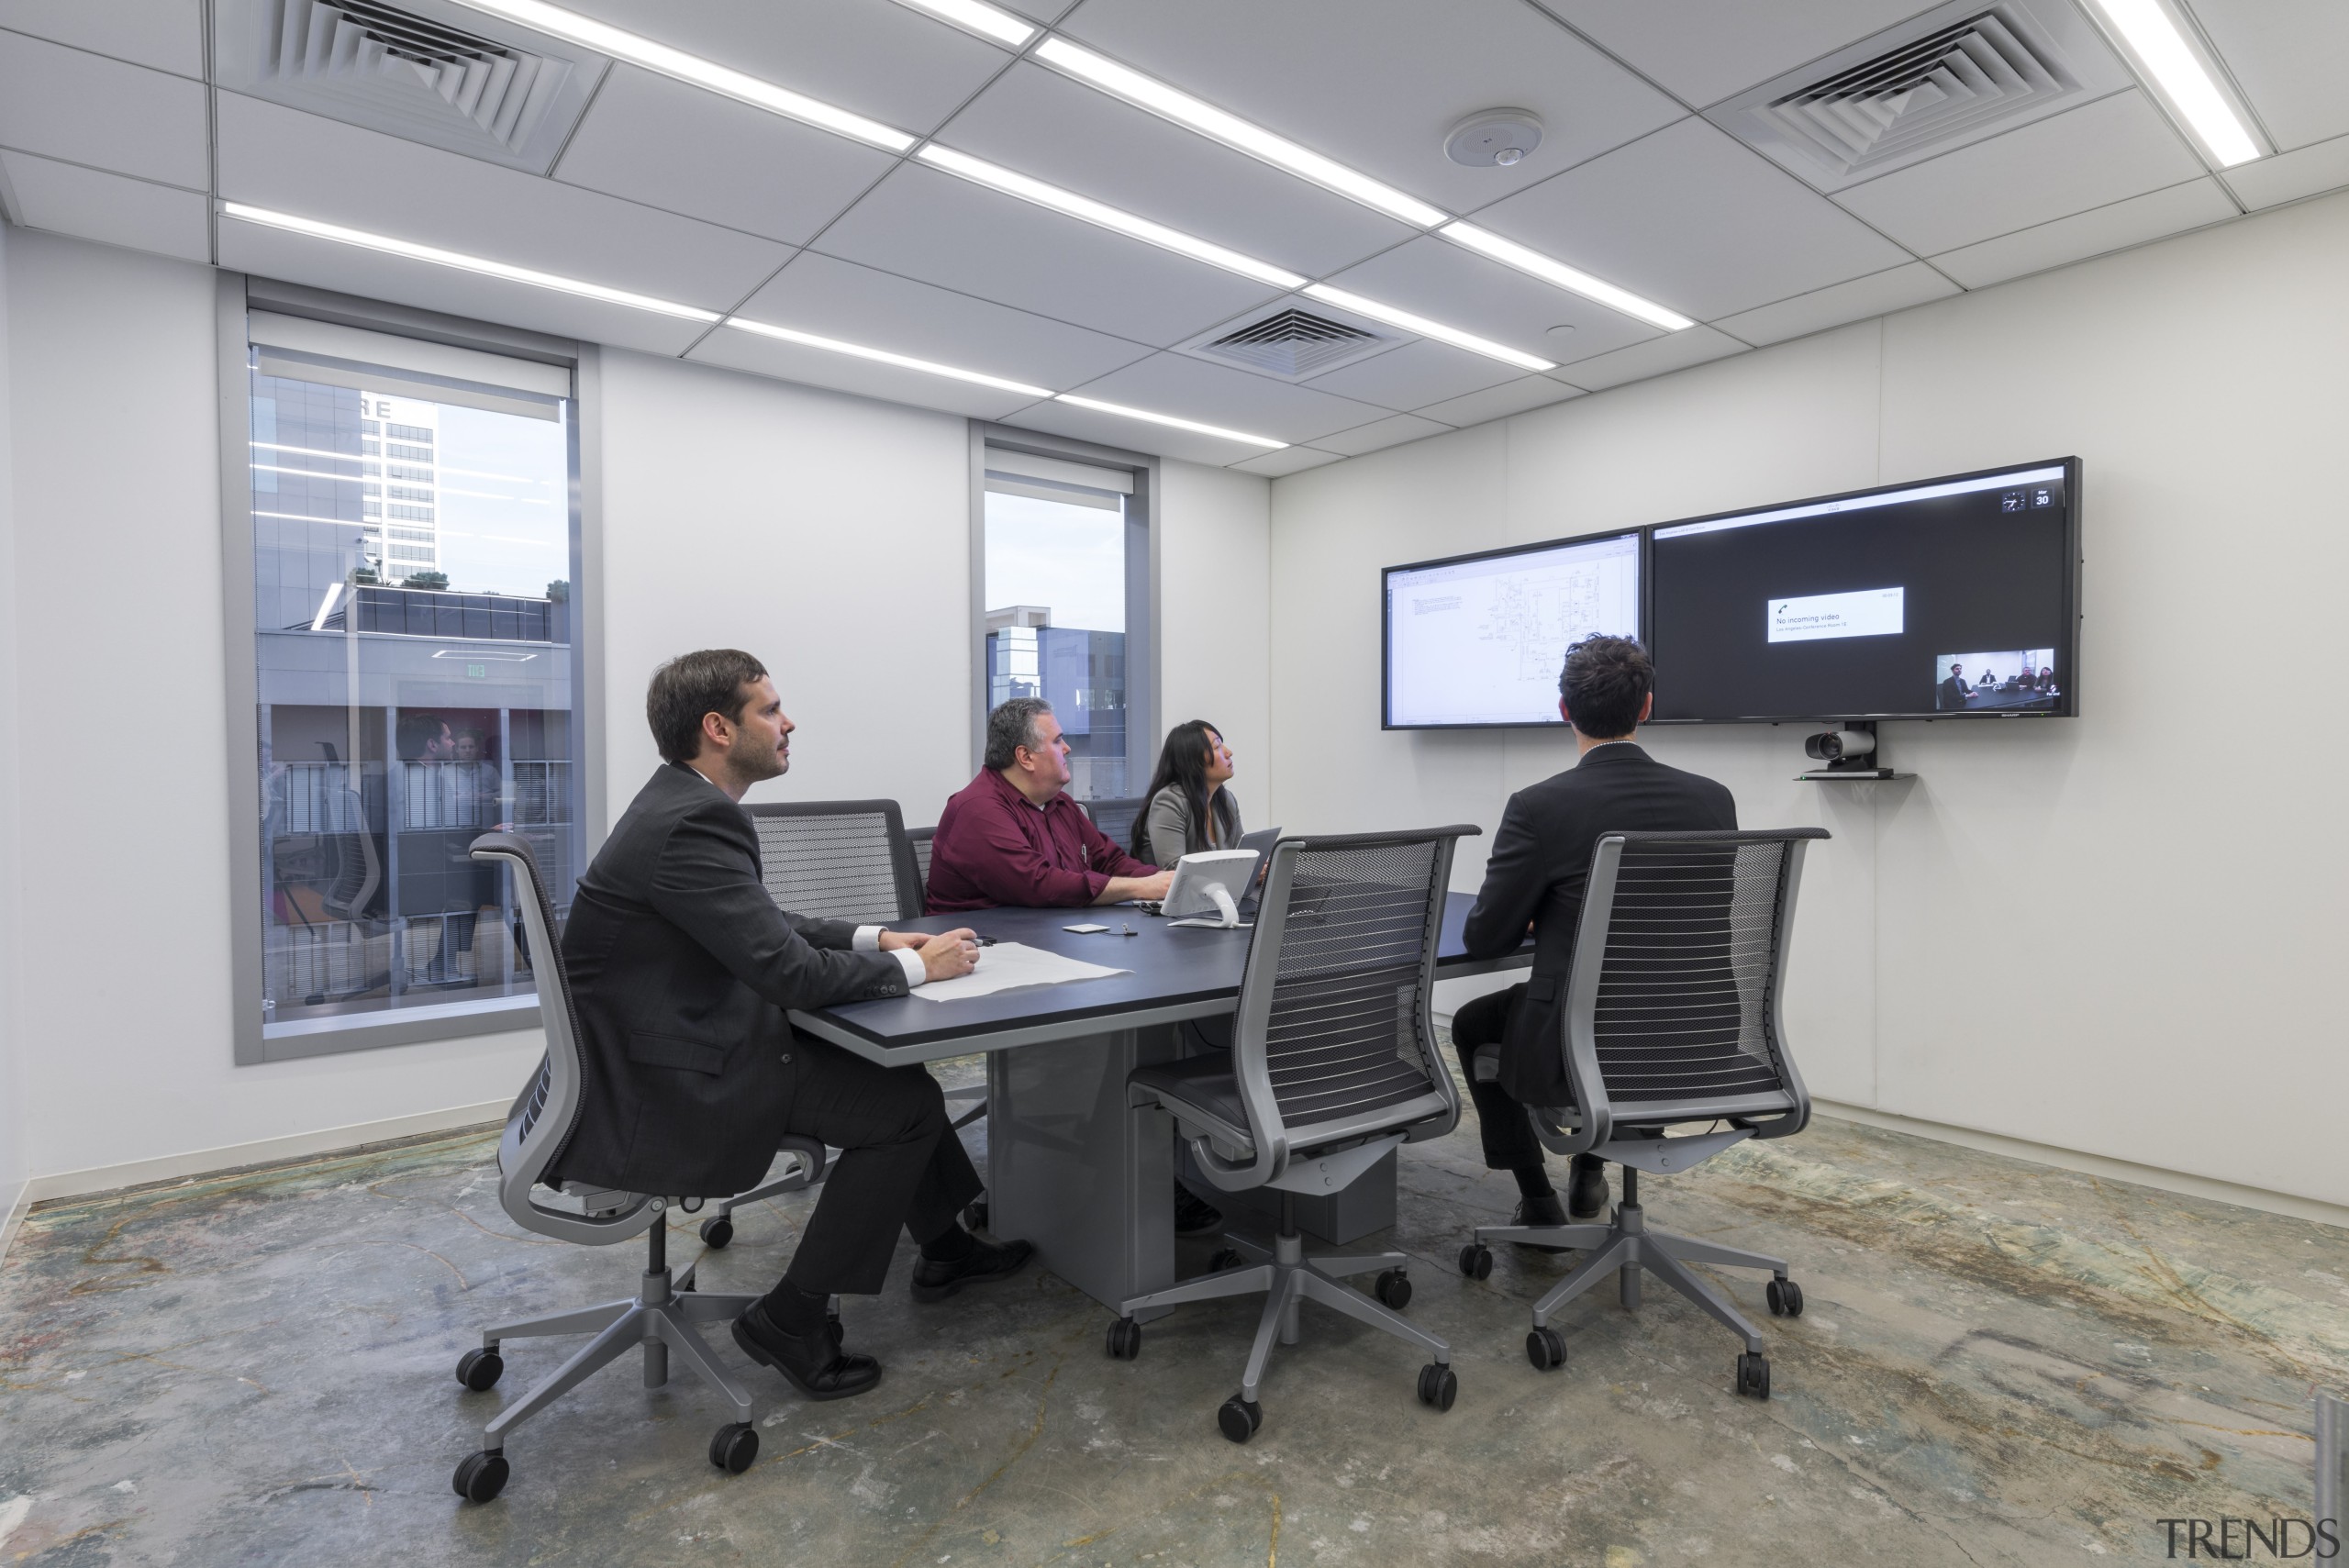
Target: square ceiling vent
1955	75
1289	343
428	71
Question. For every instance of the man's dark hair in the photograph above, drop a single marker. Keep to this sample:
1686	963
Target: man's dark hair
715	679
1011	726
1603	683
418	730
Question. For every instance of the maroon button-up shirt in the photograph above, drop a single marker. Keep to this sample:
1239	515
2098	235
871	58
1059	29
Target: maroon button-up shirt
995	849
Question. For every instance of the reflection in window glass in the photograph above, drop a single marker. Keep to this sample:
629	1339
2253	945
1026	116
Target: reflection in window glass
1056	624
415	689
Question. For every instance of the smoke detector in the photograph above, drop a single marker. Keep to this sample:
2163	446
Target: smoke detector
1494	139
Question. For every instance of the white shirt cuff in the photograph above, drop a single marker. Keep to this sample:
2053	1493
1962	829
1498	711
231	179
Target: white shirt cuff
916	972
867	939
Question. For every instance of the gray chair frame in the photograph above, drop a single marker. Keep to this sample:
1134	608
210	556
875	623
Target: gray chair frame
803	1169
1321	1157
1633	1133
1128	808
661	1318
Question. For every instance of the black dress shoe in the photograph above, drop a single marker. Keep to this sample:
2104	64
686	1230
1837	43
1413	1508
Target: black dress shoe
1538	1211
1194	1215
813	1363
1586	1193
935	1280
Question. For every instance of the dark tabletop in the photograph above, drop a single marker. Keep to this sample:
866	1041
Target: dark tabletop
1176	973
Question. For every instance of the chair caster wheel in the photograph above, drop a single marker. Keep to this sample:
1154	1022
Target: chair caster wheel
1240	1417
1546	1348
1224	1258
1438	1386
479	1370
1476	1261
716	1230
1785	1297
1394	1288
1125	1339
735	1446
481	1476
1753	1375
975	1216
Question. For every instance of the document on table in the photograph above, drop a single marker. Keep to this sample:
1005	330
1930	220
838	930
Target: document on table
1008	966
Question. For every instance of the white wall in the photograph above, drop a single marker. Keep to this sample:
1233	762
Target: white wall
2174	862
826	533
1213	584
12	1106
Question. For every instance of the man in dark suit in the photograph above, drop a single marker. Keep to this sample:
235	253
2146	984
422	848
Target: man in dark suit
1953	693
1539	866
681	967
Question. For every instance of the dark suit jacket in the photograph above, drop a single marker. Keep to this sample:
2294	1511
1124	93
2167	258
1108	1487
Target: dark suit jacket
681	967
1539	864
1952	692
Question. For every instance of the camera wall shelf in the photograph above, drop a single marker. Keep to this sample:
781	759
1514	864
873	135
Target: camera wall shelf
1864	776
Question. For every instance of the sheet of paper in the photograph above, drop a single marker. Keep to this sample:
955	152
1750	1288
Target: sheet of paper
1008	966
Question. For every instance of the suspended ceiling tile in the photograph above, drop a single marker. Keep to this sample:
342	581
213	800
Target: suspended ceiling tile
2287	57
1499	402
299	259
1134	434
1437	279
889	62
82	107
2194	204
165	34
114	209
282	159
1894	288
1052	127
1389	432
1235	399
2100	152
660	142
1706	50
2289	176
1692	218
1415	373
1378	84
865	378
923	224
1276	465
839	299
1695	346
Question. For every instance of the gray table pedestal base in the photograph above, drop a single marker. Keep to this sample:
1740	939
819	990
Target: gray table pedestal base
1073	1169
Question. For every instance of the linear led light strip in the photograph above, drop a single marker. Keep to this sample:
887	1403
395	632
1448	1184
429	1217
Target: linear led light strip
2152	35
390	245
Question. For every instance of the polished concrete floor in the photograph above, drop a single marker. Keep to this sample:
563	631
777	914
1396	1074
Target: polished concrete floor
2000	1363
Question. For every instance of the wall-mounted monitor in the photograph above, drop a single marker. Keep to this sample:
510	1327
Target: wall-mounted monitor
1476	640
1953	598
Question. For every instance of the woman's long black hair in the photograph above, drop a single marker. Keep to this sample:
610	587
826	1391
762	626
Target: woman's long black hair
1183	765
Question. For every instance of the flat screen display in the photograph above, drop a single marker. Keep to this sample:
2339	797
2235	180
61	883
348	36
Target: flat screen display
1478	640
1953	598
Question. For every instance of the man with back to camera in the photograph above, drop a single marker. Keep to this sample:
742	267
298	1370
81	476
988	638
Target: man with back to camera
681	967
1953	693
1011	838
1535	875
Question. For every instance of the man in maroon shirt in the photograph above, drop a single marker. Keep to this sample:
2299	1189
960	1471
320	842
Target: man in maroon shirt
1011	837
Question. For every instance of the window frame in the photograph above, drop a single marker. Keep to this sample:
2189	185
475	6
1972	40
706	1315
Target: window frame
236	296
1142	582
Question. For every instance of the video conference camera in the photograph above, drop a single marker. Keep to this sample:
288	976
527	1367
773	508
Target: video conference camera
1840	746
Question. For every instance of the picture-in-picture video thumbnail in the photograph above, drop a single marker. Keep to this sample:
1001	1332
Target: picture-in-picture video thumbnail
2022	678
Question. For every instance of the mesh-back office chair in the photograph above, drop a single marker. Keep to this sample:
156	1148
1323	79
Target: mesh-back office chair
1115	817
662	1315
1332	1064
843	860
353	874
918	843
1672	1015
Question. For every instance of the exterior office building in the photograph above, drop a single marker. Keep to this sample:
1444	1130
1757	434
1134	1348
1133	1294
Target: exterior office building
1082	674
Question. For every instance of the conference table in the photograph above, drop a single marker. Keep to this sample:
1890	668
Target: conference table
1070	1166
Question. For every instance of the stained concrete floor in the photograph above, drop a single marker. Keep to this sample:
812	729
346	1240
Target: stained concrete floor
2000	1363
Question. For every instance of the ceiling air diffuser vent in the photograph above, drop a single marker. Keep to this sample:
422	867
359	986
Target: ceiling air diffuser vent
1291	344
1956	76
511	99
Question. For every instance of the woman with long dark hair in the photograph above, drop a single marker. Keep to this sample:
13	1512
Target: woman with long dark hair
1188	808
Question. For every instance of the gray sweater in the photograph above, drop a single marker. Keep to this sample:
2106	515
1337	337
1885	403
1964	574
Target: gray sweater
1168	830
